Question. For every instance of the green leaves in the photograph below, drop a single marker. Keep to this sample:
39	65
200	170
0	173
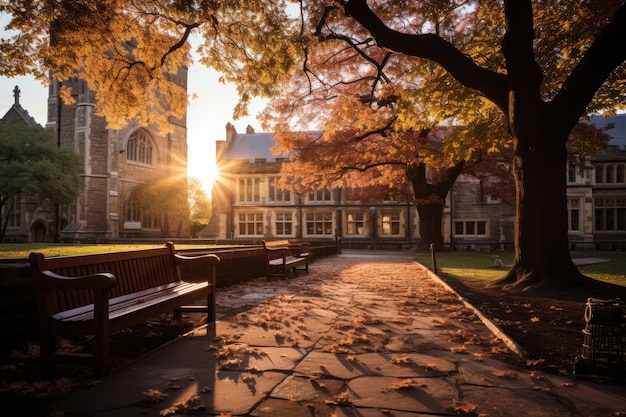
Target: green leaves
31	163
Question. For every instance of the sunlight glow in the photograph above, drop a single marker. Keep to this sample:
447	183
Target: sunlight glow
207	174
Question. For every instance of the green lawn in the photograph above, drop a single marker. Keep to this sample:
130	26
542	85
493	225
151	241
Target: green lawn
469	265
22	250
480	265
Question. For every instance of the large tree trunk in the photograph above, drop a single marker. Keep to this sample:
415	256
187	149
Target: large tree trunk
430	221
430	196
542	257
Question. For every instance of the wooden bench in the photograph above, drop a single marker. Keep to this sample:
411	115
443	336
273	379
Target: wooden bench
283	256
100	294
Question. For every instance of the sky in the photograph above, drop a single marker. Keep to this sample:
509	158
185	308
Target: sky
207	113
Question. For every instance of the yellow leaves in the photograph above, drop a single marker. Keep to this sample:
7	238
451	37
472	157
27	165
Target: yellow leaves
461	408
154	395
459	349
190	404
65	92
507	374
401	360
406	384
534	319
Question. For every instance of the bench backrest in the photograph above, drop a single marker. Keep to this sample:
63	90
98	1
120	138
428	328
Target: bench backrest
276	244
134	270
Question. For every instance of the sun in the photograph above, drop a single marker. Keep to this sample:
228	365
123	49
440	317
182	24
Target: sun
207	175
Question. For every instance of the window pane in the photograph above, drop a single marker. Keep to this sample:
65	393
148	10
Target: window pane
571	173
621	219
610	219
599	215
609	174
574	219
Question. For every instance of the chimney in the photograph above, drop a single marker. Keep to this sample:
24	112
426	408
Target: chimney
231	132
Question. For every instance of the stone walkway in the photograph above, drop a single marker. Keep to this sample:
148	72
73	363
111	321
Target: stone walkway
361	335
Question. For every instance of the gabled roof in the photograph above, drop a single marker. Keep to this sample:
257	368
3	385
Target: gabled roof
618	133
253	146
17	114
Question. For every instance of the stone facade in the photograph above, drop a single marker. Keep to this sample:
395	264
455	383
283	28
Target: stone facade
113	166
104	208
476	221
247	208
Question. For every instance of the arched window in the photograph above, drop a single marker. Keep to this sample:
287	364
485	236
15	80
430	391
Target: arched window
140	148
599	174
137	218
619	174
133	213
609	174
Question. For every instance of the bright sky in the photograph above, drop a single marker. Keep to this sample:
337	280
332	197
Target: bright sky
207	114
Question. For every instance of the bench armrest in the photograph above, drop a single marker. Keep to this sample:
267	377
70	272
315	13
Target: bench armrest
298	248
48	279
281	250
197	260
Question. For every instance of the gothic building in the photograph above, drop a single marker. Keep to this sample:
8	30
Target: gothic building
248	207
113	163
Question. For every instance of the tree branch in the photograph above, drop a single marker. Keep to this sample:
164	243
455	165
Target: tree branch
606	53
370	166
380	131
181	42
491	84
524	73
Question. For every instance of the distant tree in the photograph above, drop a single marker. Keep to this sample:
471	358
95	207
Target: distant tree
32	165
164	199
200	206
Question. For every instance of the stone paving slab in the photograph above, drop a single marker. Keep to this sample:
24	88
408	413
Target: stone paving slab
261	359
373	412
505	402
180	370
422	395
347	366
284	408
304	388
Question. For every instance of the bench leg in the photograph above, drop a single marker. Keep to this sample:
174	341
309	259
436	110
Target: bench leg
47	347
177	314
101	355
211	306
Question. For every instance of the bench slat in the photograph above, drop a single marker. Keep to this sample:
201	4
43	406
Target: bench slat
127	303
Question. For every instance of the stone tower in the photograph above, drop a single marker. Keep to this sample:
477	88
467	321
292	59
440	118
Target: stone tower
113	163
